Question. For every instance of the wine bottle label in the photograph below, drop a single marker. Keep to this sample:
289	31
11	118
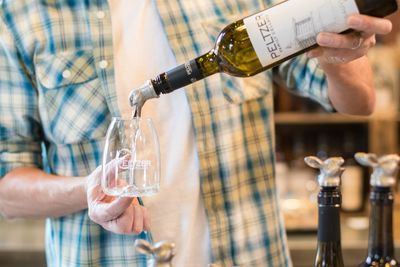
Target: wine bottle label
293	25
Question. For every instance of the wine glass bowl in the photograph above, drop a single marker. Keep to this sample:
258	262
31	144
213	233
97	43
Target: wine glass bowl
131	158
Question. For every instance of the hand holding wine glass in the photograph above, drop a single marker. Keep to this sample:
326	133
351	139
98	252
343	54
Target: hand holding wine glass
132	151
130	170
122	215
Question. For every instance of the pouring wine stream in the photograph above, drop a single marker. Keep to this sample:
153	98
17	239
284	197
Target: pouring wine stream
137	98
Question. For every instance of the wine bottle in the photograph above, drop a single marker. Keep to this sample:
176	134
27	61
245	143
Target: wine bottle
329	249
380	242
266	39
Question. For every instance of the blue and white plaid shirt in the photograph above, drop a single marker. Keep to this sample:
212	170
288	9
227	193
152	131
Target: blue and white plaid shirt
57	88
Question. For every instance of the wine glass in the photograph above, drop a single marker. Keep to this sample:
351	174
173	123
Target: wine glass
131	158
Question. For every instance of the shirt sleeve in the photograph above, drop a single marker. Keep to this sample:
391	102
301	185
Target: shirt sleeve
20	129
304	77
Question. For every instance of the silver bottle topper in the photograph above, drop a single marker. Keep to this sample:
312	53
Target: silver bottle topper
384	168
139	96
161	253
330	170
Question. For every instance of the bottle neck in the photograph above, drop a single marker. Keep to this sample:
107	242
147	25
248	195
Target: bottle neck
329	245
329	200
185	74
381	223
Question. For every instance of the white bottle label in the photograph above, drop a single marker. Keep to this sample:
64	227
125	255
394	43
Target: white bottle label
292	25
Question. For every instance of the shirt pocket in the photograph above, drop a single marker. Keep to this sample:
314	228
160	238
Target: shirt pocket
74	106
65	68
235	89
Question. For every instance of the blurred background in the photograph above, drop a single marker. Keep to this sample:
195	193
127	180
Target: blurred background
303	129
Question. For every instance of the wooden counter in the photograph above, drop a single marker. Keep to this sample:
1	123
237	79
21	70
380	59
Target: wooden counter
22	245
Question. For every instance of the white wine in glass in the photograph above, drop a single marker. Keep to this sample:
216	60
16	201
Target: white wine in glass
131	158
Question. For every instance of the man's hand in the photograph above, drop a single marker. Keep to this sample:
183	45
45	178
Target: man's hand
343	48
121	215
343	59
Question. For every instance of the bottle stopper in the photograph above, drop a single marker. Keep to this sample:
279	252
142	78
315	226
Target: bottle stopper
161	253
385	168
139	96
330	170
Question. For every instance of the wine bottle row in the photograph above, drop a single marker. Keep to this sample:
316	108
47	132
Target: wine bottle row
380	243
296	182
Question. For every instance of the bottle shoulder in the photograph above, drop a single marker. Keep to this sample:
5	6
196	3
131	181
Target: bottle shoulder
329	254
235	51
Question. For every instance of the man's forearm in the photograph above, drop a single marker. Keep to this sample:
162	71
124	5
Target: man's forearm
32	193
351	87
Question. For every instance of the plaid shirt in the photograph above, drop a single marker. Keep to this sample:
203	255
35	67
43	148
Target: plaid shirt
57	92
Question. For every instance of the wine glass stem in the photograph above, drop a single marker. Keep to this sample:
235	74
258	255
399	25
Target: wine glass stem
148	233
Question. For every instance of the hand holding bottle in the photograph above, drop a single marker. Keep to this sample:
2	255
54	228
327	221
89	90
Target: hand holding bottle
343	48
266	39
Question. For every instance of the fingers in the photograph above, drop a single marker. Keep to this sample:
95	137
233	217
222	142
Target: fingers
343	48
335	56
108	173
94	178
146	220
369	25
133	220
146	217
137	226
345	41
141	220
120	215
93	188
123	224
101	212
365	26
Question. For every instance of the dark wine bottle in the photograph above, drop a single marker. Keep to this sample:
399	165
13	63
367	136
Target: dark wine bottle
329	249
380	242
266	39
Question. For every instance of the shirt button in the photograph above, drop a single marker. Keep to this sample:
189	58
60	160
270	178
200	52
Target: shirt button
100	15
66	74
103	64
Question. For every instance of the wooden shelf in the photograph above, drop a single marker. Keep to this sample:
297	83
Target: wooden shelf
382	128
317	118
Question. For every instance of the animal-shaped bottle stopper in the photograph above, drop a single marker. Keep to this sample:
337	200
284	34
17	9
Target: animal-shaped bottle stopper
330	170
329	249
161	253
384	168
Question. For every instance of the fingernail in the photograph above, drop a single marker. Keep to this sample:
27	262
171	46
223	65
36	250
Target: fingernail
323	39
354	22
